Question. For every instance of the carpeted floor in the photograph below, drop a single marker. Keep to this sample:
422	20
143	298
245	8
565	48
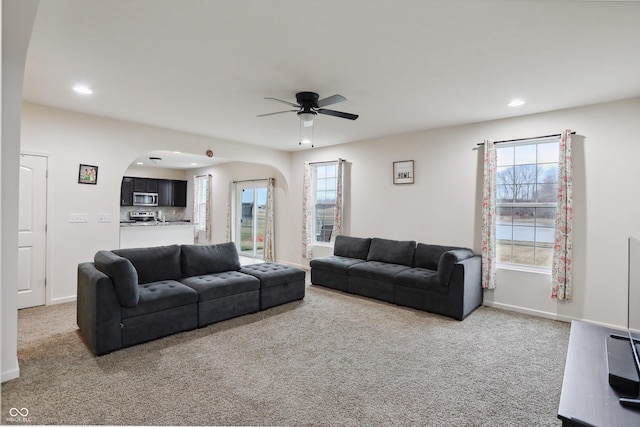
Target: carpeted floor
331	359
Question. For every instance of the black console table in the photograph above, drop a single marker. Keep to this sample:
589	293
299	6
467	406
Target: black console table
587	399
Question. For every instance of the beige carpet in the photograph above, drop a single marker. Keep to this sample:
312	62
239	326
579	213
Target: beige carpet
331	359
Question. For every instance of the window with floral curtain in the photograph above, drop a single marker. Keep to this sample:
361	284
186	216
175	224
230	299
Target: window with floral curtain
322	199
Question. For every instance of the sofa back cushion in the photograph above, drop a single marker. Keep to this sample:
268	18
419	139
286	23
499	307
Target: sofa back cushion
154	264
428	256
392	251
351	247
447	263
123	276
209	259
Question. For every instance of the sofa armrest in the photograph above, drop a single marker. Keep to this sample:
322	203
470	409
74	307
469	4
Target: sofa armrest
465	288
98	310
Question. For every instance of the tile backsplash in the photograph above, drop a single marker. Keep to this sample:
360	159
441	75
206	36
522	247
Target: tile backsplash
168	213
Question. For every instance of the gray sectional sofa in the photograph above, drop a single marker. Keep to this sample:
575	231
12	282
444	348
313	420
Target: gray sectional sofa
130	296
439	279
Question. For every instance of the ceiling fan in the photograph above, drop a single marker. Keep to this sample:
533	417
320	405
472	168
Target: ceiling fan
308	106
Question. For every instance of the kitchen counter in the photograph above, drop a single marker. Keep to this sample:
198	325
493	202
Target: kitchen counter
155	233
154	223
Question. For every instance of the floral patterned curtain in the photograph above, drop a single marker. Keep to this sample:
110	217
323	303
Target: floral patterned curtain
307	211
232	190
561	270
337	226
202	216
269	238
489	216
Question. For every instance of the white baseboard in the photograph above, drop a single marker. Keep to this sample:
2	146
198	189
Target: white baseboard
63	300
546	314
10	375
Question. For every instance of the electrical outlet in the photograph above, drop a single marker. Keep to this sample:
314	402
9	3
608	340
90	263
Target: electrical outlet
78	217
104	217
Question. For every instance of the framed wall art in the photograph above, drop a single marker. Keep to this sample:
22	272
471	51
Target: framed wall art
88	174
403	172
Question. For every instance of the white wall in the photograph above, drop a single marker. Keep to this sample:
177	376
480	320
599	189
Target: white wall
72	138
16	22
443	206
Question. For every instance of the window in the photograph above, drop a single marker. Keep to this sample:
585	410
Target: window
325	192
526	199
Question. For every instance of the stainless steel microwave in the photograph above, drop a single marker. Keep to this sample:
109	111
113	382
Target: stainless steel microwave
145	199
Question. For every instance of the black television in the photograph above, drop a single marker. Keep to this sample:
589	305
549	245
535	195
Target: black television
623	351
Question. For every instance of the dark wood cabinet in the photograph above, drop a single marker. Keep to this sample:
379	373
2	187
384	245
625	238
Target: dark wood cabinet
145	185
171	192
126	192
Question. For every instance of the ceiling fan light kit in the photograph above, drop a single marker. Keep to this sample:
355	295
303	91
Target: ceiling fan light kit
308	106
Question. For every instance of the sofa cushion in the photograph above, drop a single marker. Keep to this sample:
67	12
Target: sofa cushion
428	256
160	296
274	274
421	279
123	276
337	264
377	270
351	247
155	263
209	259
448	261
224	284
392	251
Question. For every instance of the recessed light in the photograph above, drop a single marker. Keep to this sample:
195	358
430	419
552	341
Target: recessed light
516	103
194	164
83	89
139	163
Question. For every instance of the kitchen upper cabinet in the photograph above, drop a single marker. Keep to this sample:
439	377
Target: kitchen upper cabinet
126	192
145	185
170	192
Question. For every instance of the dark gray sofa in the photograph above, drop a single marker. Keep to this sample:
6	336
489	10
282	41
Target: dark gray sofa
439	279
130	296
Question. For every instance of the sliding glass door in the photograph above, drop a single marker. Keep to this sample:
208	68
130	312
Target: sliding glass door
251	218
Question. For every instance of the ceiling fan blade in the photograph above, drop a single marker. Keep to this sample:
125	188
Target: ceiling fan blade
284	102
277	112
338	114
330	100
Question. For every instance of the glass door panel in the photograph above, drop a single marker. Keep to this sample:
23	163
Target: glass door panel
252	219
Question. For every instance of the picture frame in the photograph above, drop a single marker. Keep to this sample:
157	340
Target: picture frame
88	174
403	172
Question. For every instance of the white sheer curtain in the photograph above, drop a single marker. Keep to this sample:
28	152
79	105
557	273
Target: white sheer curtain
562	270
269	237
489	216
230	210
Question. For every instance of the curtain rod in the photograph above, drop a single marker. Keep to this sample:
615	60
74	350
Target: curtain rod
328	161
526	139
251	180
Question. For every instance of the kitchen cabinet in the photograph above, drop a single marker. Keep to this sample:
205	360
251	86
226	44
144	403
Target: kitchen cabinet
172	193
145	185
126	192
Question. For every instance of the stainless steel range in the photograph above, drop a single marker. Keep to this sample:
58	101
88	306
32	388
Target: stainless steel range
142	216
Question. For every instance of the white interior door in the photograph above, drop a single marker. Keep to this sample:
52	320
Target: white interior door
32	231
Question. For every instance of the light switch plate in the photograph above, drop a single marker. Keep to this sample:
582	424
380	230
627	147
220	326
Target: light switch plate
78	217
104	217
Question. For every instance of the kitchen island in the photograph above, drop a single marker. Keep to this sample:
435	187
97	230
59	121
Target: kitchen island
155	233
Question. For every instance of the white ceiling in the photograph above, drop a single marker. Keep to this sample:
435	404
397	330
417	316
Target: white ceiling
205	66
